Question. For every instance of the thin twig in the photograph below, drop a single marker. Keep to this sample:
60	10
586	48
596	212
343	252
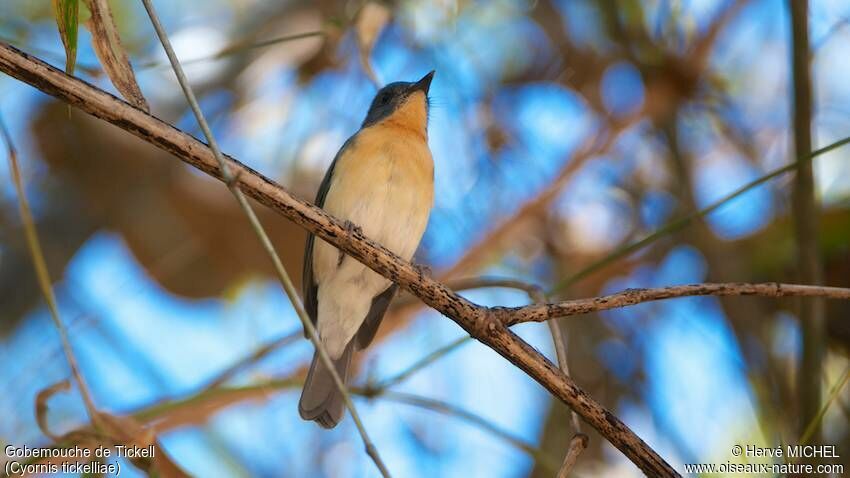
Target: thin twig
577	445
418	365
818	419
580	440
236	48
232	183
536	295
104	426
561	353
43	275
254	357
448	409
539	313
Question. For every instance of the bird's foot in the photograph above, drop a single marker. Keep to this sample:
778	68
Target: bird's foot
351	228
424	270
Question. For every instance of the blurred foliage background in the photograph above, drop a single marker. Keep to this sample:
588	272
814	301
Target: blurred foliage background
561	131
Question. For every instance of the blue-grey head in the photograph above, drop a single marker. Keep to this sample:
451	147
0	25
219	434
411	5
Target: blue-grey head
402	101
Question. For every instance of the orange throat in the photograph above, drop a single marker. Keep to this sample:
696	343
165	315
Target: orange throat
411	116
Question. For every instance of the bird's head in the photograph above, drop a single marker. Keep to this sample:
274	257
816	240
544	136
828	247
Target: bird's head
403	104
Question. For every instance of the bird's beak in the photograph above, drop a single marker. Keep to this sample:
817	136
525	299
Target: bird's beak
424	84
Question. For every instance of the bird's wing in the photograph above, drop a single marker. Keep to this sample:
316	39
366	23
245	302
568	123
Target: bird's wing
380	303
308	283
379	306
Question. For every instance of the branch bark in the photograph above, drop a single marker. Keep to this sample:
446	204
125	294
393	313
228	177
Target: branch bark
540	313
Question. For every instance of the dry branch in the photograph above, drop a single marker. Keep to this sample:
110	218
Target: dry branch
577	445
515	315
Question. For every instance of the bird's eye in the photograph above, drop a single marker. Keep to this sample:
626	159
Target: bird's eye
383	99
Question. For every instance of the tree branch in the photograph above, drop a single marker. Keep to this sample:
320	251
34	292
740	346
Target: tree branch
805	207
539	313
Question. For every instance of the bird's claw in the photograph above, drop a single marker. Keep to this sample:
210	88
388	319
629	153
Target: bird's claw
351	228
424	270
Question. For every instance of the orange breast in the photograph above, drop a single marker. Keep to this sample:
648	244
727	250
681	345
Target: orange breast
384	182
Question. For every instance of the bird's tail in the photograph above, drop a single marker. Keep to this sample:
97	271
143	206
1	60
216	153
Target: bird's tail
320	399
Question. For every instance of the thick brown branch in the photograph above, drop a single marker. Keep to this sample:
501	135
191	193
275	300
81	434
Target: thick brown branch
539	313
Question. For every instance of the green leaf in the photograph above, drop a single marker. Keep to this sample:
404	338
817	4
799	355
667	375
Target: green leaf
67	19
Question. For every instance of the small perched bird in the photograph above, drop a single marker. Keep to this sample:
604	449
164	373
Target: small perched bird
382	180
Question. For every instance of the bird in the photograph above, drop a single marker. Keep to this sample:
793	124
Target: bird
382	183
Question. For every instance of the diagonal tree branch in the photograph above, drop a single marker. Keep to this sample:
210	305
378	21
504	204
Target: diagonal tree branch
478	321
